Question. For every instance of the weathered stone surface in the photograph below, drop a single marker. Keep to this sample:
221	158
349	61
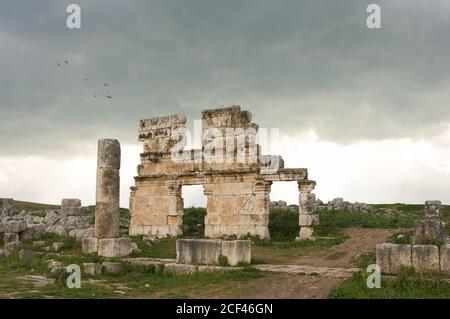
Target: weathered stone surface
306	233
428	231
10	238
433	209
13	227
51	217
108	153
198	251
38	244
114	268
89	245
6	206
107	220
114	247
10	247
26	254
237	251
56	229
309	220
237	188
3	254
391	257
33	232
79	234
70	207
57	246
445	258
92	269
425	258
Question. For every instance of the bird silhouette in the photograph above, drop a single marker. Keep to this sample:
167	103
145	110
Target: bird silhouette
58	64
105	84
109	96
95	95
66	62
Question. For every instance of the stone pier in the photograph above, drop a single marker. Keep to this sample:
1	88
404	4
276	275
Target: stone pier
107	242
308	216
70	207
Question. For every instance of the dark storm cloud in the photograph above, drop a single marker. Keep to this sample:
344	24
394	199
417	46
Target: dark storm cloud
295	64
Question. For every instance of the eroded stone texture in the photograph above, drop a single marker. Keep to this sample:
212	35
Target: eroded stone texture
433	209
391	257
6	206
237	251
108	189
89	245
198	252
425	258
236	177
114	247
70	207
428	231
445	258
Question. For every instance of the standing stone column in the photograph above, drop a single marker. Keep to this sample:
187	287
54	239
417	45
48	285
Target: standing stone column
70	207
108	189
428	231
308	217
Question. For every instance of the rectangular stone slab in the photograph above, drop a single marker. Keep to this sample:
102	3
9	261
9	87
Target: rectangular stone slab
425	258
391	257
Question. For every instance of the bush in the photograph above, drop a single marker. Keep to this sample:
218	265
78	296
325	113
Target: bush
283	224
194	221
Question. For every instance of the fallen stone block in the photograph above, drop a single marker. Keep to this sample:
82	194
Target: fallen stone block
51	217
6	206
89	245
26	254
56	229
425	258
38	244
57	247
10	238
114	247
237	251
53	264
33	232
13	227
198	251
114	268
445	258
79	234
428	231
70	207
14	246
391	257
93	269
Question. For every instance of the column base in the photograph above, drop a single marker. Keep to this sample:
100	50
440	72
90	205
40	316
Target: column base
306	233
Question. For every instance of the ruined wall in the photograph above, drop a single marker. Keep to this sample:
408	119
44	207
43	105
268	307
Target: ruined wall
229	165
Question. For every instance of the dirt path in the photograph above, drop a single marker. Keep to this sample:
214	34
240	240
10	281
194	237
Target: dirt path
297	281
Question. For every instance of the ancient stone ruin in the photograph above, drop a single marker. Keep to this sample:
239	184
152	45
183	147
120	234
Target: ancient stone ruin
107	241
428	252
236	177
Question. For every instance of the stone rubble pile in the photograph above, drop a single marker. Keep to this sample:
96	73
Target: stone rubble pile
281	204
339	204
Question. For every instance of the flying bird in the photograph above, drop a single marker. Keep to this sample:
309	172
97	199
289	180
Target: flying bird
66	62
95	95
58	64
109	96
105	84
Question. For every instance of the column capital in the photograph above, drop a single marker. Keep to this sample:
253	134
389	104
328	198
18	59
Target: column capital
306	186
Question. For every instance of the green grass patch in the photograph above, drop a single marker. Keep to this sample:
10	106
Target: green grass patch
407	285
283	224
30	206
194	221
166	248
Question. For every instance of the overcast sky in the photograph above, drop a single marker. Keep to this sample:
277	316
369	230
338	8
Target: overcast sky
365	110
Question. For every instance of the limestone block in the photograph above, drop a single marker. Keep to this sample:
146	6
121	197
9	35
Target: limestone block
51	217
309	220
306	232
113	268
108	185
33	232
237	251
13	227
70	207
6	206
79	234
198	251
425	258
114	247
26	254
445	258
56	229
10	238
391	257
108	154
107	219
89	245
433	209
428	231
92	269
